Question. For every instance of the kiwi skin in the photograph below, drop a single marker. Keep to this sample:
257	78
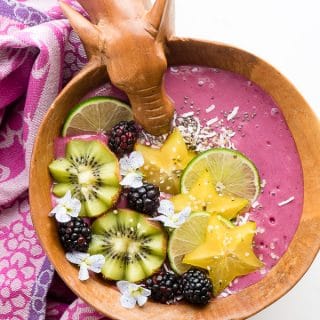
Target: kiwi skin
119	226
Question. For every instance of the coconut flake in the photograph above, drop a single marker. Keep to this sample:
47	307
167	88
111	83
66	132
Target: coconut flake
242	219
282	203
210	108
212	121
255	204
187	114
233	113
263	183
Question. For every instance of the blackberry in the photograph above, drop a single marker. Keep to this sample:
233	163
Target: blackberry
144	199
196	287
165	287
75	235
122	137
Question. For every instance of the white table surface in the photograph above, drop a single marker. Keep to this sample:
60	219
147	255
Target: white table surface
286	33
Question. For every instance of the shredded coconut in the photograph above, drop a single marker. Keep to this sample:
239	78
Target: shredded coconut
242	219
255	204
263	183
212	121
263	271
233	113
282	203
210	108
187	114
260	230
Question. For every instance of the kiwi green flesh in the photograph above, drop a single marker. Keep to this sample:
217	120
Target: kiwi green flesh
59	169
91	172
133	246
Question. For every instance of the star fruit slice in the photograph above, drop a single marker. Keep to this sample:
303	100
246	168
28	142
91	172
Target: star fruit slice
226	253
204	197
163	167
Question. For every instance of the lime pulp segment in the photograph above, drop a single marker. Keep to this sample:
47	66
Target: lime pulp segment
96	115
232	173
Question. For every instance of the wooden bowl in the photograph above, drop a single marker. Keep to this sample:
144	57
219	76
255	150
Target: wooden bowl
305	129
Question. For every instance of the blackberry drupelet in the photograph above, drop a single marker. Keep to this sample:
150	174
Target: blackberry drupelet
165	287
196	287
122	137
144	199
75	235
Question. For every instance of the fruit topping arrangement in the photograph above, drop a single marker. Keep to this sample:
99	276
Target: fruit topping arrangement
161	220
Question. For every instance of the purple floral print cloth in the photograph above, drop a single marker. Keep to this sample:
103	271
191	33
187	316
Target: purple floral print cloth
39	53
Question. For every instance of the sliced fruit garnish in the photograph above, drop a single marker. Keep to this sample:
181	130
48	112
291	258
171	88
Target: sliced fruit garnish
91	172
134	247
203	196
163	167
185	239
231	173
96	115
226	252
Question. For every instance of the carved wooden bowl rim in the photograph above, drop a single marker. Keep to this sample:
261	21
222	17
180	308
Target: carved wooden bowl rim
304	127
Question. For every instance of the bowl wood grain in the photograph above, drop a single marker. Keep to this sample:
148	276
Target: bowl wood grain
304	127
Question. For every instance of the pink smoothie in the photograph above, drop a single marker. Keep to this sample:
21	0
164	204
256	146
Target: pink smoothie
262	134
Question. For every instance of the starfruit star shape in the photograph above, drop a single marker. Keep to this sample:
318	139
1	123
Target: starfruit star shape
203	196
163	167
226	253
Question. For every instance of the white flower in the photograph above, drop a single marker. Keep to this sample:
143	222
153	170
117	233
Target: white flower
86	262
129	170
132	294
66	208
168	217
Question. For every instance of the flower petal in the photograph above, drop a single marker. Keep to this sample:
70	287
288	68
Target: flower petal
136	160
185	213
83	272
123	287
170	224
132	179
96	262
141	300
181	219
62	216
75	205
65	199
76	257
166	207
124	165
145	292
161	218
127	301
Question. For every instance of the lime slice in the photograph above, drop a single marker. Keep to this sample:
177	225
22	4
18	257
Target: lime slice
185	239
231	173
96	115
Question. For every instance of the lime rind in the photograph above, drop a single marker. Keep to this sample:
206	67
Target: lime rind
193	239
192	175
92	101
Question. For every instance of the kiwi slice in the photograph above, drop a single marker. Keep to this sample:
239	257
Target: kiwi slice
91	172
134	247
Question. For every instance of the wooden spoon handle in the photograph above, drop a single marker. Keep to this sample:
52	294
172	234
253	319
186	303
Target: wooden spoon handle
130	41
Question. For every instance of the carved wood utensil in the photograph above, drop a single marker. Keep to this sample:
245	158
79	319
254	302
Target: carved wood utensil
129	39
303	125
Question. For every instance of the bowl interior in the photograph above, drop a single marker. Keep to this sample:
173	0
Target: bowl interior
304	127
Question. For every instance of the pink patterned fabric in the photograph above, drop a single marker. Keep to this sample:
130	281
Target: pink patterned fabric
39	53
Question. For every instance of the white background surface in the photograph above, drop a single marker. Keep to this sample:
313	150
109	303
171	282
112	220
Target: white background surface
286	33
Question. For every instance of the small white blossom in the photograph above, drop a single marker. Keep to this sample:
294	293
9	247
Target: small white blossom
129	170
86	263
132	294
66	208
168	217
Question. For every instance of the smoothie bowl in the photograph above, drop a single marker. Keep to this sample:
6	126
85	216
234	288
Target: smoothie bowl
229	104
